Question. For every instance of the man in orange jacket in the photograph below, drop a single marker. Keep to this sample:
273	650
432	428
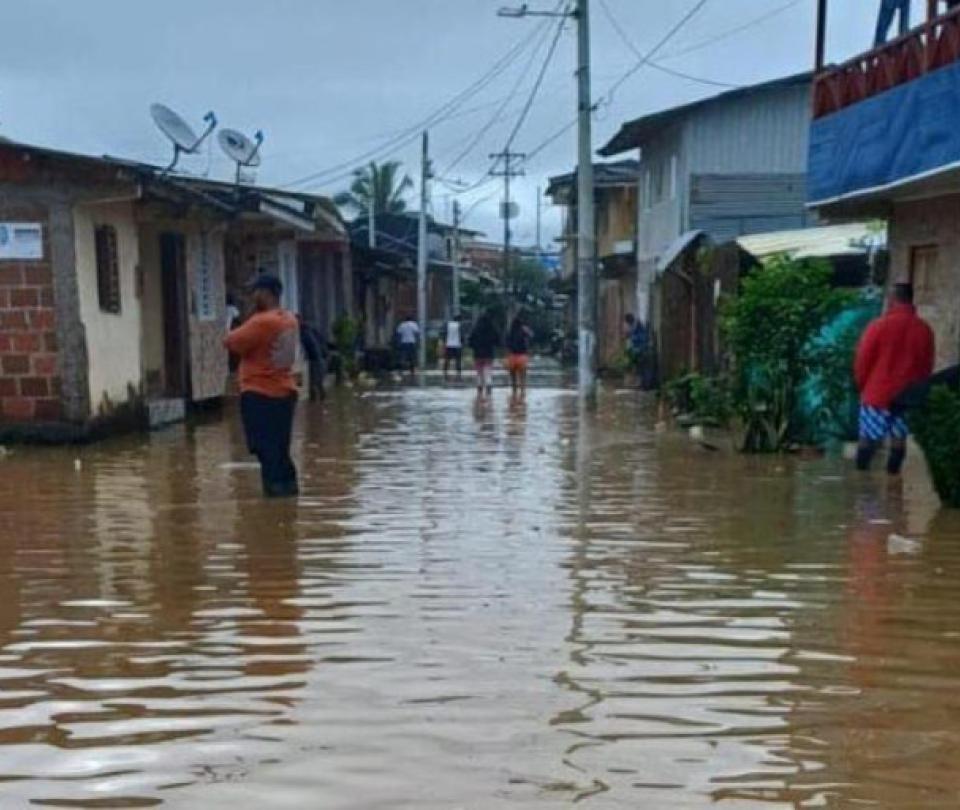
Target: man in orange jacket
895	352
267	347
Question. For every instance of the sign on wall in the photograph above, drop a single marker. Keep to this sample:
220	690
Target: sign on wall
21	240
206	289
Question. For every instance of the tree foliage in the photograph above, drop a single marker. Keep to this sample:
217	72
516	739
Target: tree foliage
937	430
383	183
768	328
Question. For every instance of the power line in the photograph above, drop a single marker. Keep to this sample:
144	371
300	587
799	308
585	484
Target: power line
534	92
413	132
632	47
477	137
733	31
608	96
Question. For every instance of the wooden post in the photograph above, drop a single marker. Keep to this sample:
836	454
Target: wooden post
821	35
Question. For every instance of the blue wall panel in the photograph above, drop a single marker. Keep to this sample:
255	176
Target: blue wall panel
902	133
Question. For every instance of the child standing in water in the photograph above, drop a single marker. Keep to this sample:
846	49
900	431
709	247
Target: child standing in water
518	355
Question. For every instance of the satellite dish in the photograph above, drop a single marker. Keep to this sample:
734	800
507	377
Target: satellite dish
180	133
240	149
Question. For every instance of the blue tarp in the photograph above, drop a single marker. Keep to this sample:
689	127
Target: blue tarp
903	133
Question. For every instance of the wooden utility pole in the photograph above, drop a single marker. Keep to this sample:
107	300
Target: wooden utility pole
508	172
820	58
422	250
456	257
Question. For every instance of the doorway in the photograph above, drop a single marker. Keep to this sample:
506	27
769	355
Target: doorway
175	337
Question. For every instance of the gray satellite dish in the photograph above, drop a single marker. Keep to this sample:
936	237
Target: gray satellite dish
180	133
240	149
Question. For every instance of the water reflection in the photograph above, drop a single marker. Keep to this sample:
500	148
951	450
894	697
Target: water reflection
491	606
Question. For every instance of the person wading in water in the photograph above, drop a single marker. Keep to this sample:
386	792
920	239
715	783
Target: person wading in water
518	355
267	347
484	340
896	352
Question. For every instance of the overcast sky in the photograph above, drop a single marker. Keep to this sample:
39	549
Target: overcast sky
328	80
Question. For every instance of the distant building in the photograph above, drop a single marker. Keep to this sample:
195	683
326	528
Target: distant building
885	143
725	166
113	285
616	194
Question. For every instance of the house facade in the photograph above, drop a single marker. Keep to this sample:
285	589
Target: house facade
722	167
113	286
616	198
885	143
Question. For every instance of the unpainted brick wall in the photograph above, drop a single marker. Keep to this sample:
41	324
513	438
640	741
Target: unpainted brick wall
29	381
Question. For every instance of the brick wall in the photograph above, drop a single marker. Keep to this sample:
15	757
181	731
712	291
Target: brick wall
29	382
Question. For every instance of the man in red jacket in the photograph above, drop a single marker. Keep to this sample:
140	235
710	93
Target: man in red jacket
895	352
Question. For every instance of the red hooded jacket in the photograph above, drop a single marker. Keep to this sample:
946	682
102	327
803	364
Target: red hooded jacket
896	351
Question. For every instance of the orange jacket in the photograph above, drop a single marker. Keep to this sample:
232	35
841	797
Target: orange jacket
895	352
267	347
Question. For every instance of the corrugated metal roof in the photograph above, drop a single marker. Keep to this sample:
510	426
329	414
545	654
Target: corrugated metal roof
633	133
854	239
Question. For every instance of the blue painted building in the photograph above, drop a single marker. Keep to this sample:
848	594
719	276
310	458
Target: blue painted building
885	143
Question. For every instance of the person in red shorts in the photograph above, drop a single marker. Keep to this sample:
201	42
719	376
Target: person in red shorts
518	354
267	347
896	352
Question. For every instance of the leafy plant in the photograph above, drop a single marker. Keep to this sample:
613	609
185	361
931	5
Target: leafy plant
936	427
768	328
345	331
705	399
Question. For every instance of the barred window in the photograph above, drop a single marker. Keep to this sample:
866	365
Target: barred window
108	269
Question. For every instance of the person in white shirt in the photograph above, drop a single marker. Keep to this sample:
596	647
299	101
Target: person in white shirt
408	334
454	346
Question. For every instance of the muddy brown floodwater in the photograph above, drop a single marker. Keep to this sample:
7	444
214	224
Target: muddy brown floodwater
503	608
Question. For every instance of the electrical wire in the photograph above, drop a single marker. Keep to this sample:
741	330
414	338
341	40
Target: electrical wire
733	31
537	85
476	138
409	135
632	47
607	97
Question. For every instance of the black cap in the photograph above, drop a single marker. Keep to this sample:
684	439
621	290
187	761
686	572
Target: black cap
267	282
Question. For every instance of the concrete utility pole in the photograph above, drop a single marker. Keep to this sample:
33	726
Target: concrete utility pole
586	235
422	250
539	222
508	172
586	231
456	257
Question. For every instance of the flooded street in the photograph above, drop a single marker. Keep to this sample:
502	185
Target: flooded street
506	607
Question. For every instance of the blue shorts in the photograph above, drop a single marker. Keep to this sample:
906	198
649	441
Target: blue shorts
877	424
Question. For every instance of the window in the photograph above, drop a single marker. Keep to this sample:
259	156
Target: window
108	269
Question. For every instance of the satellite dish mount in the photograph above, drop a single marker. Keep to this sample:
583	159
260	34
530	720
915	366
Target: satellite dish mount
184	139
240	149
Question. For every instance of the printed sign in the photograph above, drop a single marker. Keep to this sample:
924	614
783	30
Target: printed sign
21	240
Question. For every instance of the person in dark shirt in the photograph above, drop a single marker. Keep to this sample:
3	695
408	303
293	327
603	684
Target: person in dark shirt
313	347
518	354
484	342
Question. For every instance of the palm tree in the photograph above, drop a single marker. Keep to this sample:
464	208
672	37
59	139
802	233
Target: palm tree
380	182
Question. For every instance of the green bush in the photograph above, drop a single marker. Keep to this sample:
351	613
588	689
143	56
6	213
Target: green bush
706	399
936	427
768	329
345	332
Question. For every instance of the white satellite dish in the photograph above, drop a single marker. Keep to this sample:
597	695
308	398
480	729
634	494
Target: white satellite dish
240	149
180	133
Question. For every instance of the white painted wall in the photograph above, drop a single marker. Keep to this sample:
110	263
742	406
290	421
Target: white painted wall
113	341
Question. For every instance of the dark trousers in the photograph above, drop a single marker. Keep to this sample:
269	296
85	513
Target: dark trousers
317	373
888	10
268	424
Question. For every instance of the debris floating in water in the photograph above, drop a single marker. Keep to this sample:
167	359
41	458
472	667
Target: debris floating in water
77	465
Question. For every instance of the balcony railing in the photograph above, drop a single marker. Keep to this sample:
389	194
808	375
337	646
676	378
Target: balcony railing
927	48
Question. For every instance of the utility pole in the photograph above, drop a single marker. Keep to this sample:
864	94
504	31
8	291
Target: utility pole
539	222
456	257
586	232
508	172
422	250
586	235
820	57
